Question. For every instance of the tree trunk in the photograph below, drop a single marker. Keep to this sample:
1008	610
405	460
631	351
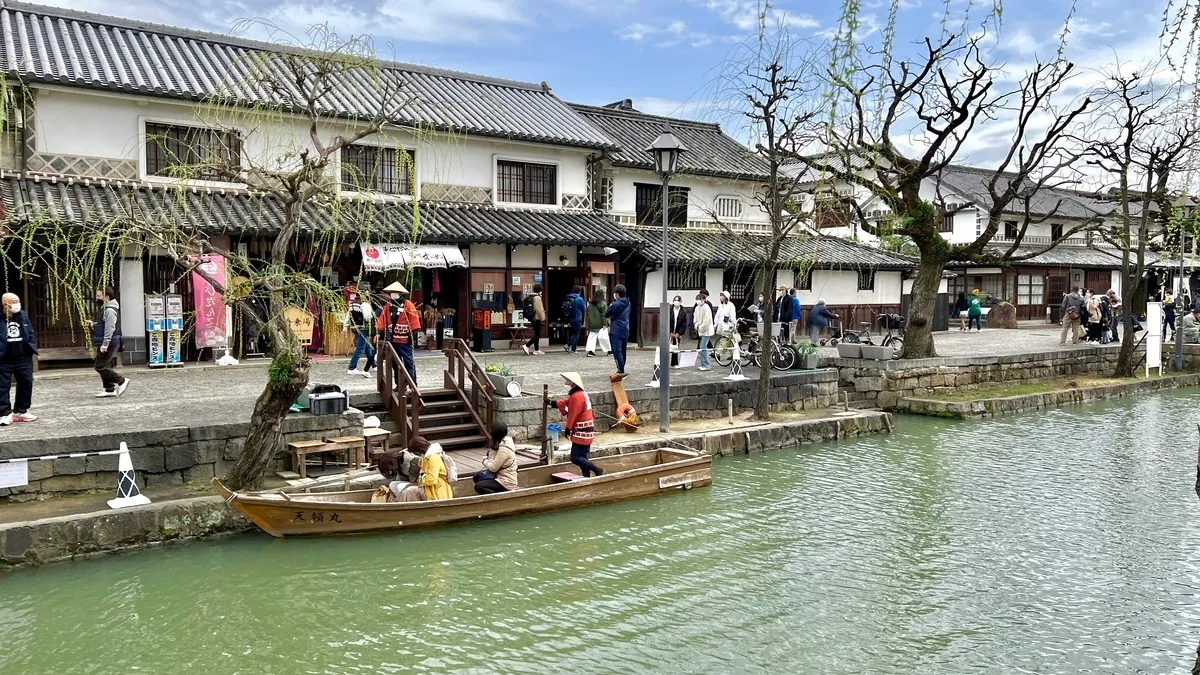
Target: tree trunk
1128	341
918	336
288	375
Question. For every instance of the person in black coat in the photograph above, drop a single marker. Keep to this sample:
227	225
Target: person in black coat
783	313
18	346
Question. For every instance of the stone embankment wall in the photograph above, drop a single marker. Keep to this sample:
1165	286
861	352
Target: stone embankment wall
805	390
1052	399
167	456
883	383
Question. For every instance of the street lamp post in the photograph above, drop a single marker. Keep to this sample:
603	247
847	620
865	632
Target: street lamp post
666	150
1179	309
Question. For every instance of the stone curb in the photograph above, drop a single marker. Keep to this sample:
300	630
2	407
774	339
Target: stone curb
1011	404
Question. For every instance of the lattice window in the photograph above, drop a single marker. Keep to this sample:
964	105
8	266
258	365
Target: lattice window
728	207
685	277
374	169
947	224
526	183
1056	231
648	204
192	152
1010	229
866	280
1030	289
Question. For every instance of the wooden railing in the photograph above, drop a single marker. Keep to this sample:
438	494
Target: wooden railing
464	373
404	406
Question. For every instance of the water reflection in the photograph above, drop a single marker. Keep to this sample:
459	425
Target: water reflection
1059	542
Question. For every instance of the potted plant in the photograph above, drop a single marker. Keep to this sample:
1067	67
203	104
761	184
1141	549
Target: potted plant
808	355
877	353
501	375
849	350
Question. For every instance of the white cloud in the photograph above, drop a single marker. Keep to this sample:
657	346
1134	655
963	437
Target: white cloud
672	34
636	32
745	15
669	107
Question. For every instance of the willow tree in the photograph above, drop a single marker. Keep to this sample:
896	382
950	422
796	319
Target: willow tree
281	103
1146	141
773	79
907	119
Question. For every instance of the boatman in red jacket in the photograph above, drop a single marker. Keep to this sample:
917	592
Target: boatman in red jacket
581	425
399	323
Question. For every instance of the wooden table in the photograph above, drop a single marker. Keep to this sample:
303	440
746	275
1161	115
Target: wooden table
519	335
376	444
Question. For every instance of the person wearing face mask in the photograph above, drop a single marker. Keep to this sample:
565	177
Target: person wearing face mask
398	323
18	345
703	320
106	338
726	316
677	327
783	313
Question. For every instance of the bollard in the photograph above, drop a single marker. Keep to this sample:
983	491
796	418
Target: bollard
128	493
730	412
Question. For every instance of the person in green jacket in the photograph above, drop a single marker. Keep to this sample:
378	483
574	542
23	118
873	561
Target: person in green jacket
974	311
595	321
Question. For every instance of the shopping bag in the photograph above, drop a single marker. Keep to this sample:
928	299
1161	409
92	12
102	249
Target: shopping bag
591	342
602	340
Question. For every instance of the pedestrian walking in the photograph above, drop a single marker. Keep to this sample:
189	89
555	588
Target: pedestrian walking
975	312
1072	314
574	308
577	408
796	309
618	327
961	306
17	350
1168	315
360	318
1095	317
535	311
702	318
819	317
595	322
677	327
106	338
397	324
725	318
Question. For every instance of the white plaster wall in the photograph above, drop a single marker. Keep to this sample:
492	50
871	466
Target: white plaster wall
527	256
841	288
488	255
654	289
554	252
714	278
133	299
701	197
99	125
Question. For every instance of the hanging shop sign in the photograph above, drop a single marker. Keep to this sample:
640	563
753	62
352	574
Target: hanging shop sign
386	257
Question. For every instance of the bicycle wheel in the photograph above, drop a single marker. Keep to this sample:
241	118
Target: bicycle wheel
748	353
897	344
723	351
783	357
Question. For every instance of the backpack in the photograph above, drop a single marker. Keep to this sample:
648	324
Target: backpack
568	308
527	309
1073	312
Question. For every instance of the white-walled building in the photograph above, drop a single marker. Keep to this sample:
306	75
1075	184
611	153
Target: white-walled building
104	114
717	224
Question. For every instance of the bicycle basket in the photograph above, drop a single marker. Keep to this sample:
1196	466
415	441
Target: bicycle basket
892	321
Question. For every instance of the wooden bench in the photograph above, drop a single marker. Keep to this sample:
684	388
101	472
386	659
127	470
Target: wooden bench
377	441
353	446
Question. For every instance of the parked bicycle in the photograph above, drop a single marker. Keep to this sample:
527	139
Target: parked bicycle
783	356
892	336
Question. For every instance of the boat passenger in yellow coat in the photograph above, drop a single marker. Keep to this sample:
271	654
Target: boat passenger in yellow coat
436	469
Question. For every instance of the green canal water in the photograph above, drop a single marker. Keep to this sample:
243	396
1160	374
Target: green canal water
1059	542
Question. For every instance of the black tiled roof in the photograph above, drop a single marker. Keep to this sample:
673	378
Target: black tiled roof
68	47
1062	256
232	212
709	150
972	183
718	248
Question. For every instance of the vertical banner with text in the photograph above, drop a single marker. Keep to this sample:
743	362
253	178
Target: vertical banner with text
210	306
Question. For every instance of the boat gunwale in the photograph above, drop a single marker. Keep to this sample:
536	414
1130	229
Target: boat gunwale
261	500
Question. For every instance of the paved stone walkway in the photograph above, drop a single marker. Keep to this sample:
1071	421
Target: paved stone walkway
199	393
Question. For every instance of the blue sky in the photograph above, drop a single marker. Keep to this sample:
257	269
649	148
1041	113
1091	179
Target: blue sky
664	54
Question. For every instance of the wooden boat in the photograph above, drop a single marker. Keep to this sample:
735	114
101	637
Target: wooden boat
638	474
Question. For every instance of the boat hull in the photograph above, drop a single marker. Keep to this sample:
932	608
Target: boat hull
347	513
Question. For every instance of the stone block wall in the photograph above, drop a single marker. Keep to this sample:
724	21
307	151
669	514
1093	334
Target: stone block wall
797	391
168	456
884	383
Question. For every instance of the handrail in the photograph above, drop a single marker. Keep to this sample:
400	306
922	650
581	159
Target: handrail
461	367
406	415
